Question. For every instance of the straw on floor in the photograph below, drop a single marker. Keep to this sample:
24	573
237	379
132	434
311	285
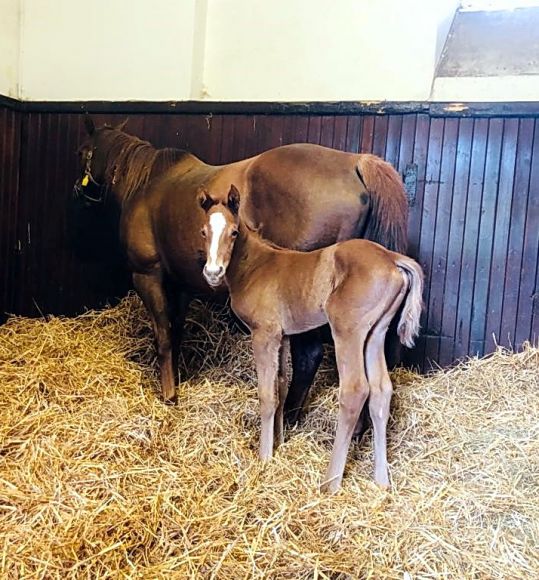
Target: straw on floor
99	479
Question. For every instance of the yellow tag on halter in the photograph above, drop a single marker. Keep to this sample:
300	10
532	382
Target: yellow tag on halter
85	181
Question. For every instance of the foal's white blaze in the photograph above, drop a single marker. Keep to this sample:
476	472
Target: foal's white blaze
217	226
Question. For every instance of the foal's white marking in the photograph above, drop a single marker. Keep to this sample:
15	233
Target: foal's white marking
217	226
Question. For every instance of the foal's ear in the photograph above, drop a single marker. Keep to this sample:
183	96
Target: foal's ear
205	200
121	126
89	125
233	201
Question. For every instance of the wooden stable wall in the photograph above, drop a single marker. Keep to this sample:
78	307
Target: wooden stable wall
474	219
10	147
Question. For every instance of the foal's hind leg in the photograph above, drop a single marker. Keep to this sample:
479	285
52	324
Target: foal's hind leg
150	289
353	391
381	390
266	346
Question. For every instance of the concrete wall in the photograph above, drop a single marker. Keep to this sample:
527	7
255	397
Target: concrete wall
9	47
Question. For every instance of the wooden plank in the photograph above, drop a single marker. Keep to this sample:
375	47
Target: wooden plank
340	128
441	240
367	134
314	131
301	129
327	129
394	131
470	239
456	220
501	235
353	134
289	130
486	237
517	227
427	225
380	135
406	143
227	140
421	143
529	290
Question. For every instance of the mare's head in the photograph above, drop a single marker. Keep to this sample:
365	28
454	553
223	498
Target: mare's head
93	155
220	230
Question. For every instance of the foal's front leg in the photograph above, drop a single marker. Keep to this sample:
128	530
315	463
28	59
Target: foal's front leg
150	289
266	346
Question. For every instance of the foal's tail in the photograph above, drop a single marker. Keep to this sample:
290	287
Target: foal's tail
408	327
387	223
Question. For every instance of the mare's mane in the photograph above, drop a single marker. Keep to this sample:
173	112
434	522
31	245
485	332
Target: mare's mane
131	162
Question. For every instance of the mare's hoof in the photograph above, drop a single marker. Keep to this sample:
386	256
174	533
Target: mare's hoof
171	401
291	417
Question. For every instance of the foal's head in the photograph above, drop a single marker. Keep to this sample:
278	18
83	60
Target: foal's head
220	231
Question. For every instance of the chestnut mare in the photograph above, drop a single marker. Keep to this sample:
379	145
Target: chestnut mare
300	196
357	286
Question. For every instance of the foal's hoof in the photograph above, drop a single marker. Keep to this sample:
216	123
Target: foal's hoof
171	401
382	481
330	486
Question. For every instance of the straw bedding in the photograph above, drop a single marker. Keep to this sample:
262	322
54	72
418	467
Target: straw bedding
99	479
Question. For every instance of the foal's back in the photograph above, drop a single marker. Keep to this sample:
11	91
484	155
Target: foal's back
294	289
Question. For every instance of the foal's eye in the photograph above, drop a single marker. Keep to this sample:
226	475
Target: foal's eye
203	232
234	233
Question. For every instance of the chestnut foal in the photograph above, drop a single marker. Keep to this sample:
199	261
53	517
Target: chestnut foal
357	286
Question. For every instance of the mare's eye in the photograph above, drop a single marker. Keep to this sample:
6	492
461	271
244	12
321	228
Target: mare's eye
234	233
203	232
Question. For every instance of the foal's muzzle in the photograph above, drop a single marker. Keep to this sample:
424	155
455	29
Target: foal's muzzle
214	277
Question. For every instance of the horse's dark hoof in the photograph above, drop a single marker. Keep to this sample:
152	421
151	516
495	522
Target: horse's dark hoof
291	417
359	431
172	401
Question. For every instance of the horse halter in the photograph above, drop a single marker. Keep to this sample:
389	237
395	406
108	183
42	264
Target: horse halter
80	187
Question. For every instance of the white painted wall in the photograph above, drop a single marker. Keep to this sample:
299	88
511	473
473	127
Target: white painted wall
294	50
107	49
222	50
9	47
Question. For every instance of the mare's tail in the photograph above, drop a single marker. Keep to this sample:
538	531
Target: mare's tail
387	223
408	327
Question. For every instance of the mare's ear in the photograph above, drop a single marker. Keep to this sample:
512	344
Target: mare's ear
89	125
121	126
233	201
205	200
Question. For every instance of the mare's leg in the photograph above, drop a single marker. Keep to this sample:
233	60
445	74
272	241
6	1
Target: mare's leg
381	390
362	424
307	352
178	301
266	346
150	289
353	392
392	346
282	379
